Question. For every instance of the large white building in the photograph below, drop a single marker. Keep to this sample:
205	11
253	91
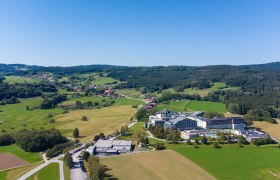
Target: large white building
112	147
217	123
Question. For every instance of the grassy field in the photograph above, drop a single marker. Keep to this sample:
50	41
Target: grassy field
105	120
17	172
193	105
138	127
27	156
233	162
130	93
206	106
49	172
154	165
103	81
272	129
14	117
19	79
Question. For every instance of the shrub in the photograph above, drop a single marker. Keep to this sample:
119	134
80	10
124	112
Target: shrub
58	149
84	118
76	133
134	106
216	145
195	145
51	120
6	139
159	146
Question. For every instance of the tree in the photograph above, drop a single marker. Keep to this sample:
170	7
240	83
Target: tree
86	156
76	133
68	160
6	139
84	118
189	142
97	171
159	146
216	145
204	140
102	136
96	138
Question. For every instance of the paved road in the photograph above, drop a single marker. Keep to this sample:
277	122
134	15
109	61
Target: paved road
38	168
77	173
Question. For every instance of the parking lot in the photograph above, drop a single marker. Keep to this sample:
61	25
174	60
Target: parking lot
78	171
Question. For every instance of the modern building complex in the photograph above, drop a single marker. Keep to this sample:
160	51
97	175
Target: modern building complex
169	119
217	123
112	147
188	134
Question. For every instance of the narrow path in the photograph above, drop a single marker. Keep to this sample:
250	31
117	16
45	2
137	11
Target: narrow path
38	168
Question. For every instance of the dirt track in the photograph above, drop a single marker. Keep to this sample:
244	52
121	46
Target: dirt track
9	160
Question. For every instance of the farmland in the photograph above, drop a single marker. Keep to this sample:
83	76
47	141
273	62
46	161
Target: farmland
49	172
272	129
104	120
9	161
250	162
193	105
154	165
19	79
13	174
26	156
14	117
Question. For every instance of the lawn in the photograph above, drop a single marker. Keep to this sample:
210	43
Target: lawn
138	127
105	120
193	105
19	79
49	172
14	117
206	106
154	165
233	162
27	156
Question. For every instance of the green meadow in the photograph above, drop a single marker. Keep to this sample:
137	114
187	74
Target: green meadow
50	172
19	79
232	161
27	156
193	105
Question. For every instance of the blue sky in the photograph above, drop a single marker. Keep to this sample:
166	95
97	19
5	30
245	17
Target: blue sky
139	32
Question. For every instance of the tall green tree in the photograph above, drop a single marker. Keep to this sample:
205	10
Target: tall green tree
76	133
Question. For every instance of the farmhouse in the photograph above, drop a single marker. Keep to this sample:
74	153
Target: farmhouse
112	147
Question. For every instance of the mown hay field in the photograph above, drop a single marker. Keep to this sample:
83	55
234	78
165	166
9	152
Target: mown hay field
154	165
105	120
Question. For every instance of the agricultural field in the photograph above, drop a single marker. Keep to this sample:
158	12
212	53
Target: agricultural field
13	174
193	105
9	160
249	162
49	172
16	151
14	117
19	79
154	165
118	101
103	81
132	93
105	120
272	129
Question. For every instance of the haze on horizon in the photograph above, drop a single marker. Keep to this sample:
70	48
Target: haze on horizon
139	32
